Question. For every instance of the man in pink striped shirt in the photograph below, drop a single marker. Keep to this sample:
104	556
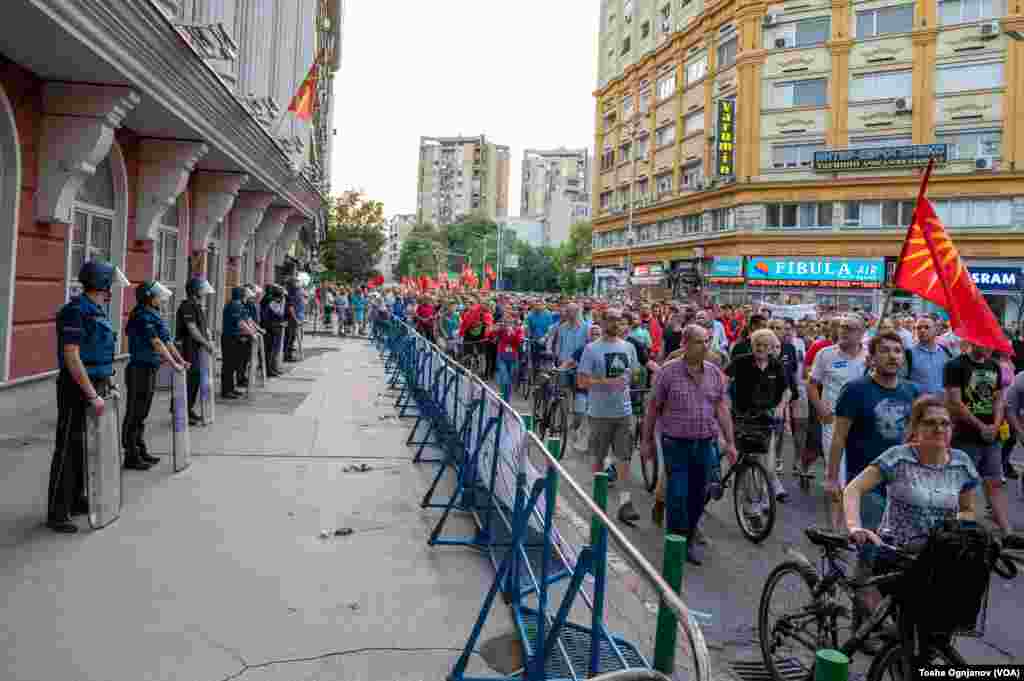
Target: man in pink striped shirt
688	402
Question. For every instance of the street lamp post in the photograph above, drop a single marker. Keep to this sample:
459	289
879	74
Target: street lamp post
632	203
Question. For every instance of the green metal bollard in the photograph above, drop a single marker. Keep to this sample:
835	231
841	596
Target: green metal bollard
601	499
527	421
665	636
831	665
554	446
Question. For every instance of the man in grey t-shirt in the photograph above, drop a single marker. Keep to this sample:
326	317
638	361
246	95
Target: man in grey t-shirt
606	371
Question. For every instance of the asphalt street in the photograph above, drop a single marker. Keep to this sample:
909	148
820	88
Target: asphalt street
728	585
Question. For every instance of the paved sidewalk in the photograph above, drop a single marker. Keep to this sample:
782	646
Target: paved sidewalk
219	572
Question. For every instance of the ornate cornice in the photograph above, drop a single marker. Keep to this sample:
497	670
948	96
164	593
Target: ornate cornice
78	128
139	41
164	169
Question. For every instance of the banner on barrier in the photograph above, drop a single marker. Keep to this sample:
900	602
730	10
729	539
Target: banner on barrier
181	454
103	462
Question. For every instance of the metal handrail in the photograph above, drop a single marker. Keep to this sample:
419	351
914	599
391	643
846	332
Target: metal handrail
695	637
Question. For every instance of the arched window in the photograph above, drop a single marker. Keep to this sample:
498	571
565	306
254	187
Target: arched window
92	232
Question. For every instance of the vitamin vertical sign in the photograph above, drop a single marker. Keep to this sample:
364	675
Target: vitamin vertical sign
726	138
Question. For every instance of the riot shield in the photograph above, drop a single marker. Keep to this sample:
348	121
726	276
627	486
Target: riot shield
300	334
182	445
260	360
207	402
103	462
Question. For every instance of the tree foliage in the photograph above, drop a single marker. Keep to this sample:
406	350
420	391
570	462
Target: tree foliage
355	238
423	252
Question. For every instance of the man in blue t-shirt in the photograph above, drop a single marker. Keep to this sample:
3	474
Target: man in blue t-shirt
872	414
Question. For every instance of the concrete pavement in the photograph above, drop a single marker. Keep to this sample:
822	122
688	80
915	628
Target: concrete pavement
219	572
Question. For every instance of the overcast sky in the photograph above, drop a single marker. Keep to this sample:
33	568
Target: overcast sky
520	72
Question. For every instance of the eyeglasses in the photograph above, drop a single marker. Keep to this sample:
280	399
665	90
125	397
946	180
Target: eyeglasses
937	424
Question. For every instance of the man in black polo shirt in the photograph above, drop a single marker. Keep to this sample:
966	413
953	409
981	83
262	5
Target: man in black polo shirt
743	347
759	383
191	332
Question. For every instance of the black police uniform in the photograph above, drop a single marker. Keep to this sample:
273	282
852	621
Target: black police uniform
251	315
232	345
273	315
83	323
144	325
191	312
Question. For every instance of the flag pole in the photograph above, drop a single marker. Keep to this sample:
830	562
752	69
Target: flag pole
887	303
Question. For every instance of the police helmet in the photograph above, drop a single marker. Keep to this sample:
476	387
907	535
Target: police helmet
198	286
98	275
151	289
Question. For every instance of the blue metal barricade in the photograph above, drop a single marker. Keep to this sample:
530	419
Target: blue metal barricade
488	452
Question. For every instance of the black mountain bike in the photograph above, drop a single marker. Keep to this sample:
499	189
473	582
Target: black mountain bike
752	495
552	404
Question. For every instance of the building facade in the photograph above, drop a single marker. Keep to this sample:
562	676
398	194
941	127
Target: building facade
461	176
776	149
155	138
556	189
527	230
397	229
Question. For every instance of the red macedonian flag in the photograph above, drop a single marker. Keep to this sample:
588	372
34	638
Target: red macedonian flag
303	102
930	266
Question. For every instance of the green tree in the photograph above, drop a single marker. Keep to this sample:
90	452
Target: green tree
355	238
476	236
423	252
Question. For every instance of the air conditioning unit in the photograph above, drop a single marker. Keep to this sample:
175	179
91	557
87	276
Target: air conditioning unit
984	163
903	105
990	29
780	42
771	19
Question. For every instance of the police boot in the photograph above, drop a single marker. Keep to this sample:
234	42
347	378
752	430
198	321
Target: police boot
133	461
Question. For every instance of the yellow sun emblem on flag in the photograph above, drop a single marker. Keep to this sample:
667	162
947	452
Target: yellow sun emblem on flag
945	253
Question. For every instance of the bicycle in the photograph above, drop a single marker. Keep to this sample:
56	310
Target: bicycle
830	615
650	469
918	646
472	356
753	499
551	404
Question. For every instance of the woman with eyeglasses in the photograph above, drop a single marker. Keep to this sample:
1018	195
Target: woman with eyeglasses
926	481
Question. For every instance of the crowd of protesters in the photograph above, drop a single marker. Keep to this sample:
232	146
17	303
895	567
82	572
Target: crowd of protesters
843	383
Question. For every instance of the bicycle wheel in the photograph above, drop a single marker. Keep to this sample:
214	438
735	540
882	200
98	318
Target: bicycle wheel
753	501
649	469
790	641
539	407
566	419
889	664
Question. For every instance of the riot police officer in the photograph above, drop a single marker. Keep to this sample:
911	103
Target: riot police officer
273	317
149	341
251	324
191	332
86	341
236	330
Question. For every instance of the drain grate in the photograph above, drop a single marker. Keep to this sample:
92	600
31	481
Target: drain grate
755	670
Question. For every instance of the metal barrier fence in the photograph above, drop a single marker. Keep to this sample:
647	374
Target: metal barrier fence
510	482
